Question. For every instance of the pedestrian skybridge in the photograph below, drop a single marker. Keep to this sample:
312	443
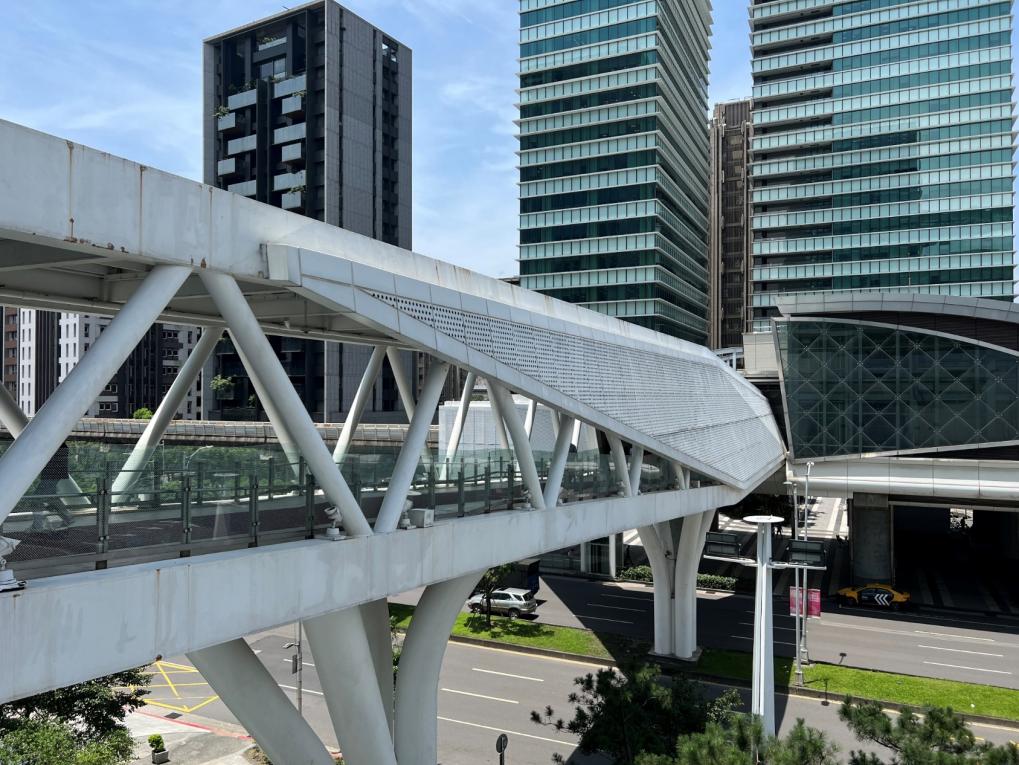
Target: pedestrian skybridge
83	231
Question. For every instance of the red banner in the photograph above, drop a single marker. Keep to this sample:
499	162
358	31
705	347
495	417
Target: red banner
813	604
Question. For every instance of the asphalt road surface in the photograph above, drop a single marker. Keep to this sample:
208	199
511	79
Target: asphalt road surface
483	692
928	645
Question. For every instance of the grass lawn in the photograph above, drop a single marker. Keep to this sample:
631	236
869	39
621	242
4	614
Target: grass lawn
867	684
838	681
523	632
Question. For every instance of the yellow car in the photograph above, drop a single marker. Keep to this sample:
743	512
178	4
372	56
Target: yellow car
873	595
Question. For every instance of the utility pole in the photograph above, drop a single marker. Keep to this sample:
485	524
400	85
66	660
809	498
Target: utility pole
297	666
762	701
806	509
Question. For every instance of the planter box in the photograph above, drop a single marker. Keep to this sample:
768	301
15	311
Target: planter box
158	758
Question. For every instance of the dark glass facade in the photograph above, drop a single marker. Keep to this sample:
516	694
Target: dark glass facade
882	144
864	388
614	158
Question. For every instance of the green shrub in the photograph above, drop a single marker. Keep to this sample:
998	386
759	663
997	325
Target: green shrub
156	743
704	581
637	573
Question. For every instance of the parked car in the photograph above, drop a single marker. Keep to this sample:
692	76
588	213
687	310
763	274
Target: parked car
873	595
510	601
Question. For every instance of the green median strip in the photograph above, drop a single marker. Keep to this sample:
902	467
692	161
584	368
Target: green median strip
838	681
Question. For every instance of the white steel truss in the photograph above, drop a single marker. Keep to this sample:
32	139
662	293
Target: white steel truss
84	231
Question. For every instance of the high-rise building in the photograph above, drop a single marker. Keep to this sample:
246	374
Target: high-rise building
310	110
882	149
42	347
614	158
729	225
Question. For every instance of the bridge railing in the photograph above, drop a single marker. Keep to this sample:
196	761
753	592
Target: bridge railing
232	501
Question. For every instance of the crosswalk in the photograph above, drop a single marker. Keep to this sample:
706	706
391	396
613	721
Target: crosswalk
826	519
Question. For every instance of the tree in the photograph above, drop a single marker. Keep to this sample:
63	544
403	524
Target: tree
93	710
940	737
490	582
222	386
741	741
142	413
47	741
628	712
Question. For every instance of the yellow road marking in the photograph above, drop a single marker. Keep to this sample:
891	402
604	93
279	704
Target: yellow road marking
166	677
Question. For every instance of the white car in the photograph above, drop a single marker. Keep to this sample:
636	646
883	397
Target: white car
511	601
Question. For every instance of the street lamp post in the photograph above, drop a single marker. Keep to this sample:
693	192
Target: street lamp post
187	460
803	595
297	666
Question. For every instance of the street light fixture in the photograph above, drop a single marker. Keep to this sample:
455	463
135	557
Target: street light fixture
187	460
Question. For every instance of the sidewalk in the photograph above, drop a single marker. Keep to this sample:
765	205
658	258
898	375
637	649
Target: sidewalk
189	743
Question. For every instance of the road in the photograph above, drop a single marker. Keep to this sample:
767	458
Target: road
923	644
483	692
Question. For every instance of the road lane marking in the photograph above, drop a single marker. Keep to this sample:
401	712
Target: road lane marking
751	624
479	696
960	650
603	619
291	661
969	669
620	608
776	642
534	657
169	682
509	732
955	637
629	597
507	674
303	690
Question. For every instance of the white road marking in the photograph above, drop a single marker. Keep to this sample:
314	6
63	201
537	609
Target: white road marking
306	690
776	642
507	674
290	661
509	732
751	624
955	637
628	597
507	651
960	650
603	619
968	669
620	608
479	696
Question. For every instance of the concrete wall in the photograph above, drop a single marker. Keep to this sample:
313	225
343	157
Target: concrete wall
871	533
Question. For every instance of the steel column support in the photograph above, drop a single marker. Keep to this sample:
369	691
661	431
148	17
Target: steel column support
688	557
16	421
380	642
658	545
461	417
361	398
346	670
413	444
636	463
499	418
557	468
575	438
521	444
619	464
532	410
241	680
41	438
248	336
165	412
279	426
417	682
403	381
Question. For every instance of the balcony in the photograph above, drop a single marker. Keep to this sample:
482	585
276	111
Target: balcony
242	99
226	166
240	145
290	86
265	44
289	181
292	200
292	152
290	133
233	124
245	188
292	105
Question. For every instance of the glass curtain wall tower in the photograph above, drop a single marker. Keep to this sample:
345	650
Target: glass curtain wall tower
614	158
882	149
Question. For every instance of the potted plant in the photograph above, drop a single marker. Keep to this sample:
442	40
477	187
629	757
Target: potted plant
221	111
159	753
222	387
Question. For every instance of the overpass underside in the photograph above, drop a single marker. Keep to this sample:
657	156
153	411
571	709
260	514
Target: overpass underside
83	231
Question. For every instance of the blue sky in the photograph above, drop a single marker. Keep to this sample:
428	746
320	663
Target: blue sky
125	76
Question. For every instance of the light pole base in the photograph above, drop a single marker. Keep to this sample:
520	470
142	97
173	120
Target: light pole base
8	582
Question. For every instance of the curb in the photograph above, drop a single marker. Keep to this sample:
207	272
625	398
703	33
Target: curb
682	668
